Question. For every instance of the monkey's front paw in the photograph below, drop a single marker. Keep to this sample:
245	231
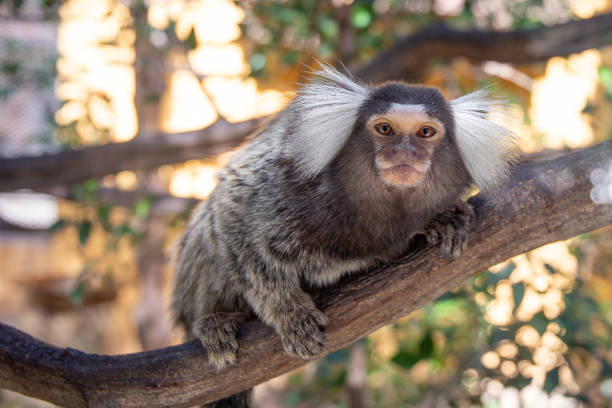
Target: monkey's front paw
217	332
450	229
304	338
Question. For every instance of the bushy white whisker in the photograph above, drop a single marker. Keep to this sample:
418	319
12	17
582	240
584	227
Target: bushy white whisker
325	111
486	146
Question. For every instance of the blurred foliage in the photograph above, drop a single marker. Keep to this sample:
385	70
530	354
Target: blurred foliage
116	226
47	9
21	66
605	78
106	232
296	31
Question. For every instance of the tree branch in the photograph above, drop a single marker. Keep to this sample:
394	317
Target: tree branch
545	202
144	152
406	60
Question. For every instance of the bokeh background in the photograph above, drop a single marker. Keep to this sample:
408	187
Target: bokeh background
86	265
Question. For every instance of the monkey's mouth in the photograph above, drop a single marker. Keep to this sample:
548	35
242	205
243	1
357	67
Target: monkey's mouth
405	175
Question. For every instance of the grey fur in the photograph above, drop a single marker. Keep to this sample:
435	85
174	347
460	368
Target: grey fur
277	223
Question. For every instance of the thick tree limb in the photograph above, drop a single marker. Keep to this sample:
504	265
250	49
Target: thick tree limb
144	152
409	57
546	201
406	61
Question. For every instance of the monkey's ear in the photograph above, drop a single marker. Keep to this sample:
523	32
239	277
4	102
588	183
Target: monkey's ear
325	111
486	147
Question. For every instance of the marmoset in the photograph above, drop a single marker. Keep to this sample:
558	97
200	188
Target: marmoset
340	180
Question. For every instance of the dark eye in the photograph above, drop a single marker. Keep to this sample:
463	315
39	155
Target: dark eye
426	131
384	129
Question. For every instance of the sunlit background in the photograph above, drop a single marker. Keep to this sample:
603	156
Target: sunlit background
86	266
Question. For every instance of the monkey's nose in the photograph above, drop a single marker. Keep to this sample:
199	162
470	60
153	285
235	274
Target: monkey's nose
406	145
403	148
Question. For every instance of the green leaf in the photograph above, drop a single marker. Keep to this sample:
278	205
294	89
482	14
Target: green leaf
552	380
426	346
327	26
518	290
10	67
338	380
605	76
77	295
539	322
84	231
549	268
291	57
292	398
58	225
90	186
361	17
443	308
142	207
405	358
191	40
436	364
104	212
123	229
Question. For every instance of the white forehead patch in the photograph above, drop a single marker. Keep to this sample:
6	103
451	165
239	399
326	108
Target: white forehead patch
408	108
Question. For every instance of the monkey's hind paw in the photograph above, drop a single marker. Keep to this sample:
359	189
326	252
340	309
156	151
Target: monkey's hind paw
223	359
450	229
304	337
217	332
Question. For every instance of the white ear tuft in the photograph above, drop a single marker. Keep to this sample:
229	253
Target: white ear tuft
487	147
325	112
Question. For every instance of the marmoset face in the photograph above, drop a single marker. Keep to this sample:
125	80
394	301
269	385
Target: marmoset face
406	136
405	126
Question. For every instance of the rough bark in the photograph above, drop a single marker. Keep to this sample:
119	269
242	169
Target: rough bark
406	60
546	201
